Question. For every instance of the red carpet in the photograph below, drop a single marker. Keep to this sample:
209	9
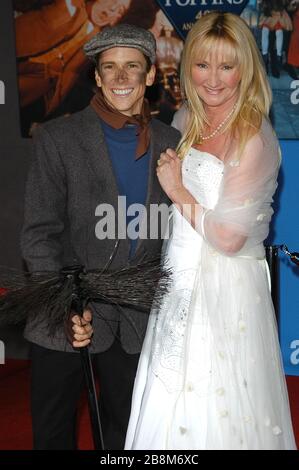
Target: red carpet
15	433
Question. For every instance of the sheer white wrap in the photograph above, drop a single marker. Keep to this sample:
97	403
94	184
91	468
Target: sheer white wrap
240	220
180	119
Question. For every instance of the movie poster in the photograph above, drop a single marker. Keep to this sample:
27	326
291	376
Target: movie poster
55	78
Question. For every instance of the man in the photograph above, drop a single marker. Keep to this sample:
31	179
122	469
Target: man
81	162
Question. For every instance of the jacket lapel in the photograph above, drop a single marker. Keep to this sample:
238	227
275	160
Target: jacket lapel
103	180
98	158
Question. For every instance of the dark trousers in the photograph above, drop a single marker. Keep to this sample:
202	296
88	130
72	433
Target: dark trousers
56	384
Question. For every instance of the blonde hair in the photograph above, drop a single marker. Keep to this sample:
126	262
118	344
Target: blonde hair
254	97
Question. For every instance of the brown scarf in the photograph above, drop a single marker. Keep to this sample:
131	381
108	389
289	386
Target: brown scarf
118	120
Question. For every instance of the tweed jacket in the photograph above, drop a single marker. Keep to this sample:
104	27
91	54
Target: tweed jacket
71	174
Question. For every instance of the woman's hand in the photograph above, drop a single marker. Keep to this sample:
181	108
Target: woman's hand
169	173
82	329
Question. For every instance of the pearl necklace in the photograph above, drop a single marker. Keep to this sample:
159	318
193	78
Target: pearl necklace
215	132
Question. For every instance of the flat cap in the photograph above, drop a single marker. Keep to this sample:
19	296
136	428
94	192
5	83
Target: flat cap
122	35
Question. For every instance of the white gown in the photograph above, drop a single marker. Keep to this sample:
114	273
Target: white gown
210	374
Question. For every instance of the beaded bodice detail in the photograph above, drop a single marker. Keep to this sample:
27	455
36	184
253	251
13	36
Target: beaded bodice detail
202	175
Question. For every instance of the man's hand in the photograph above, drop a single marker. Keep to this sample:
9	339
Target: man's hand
82	329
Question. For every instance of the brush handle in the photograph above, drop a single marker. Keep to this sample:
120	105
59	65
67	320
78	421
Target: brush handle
77	307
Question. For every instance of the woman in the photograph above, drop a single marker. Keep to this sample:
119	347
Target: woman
210	373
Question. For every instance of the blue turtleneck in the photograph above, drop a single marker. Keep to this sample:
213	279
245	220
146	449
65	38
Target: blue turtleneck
131	174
